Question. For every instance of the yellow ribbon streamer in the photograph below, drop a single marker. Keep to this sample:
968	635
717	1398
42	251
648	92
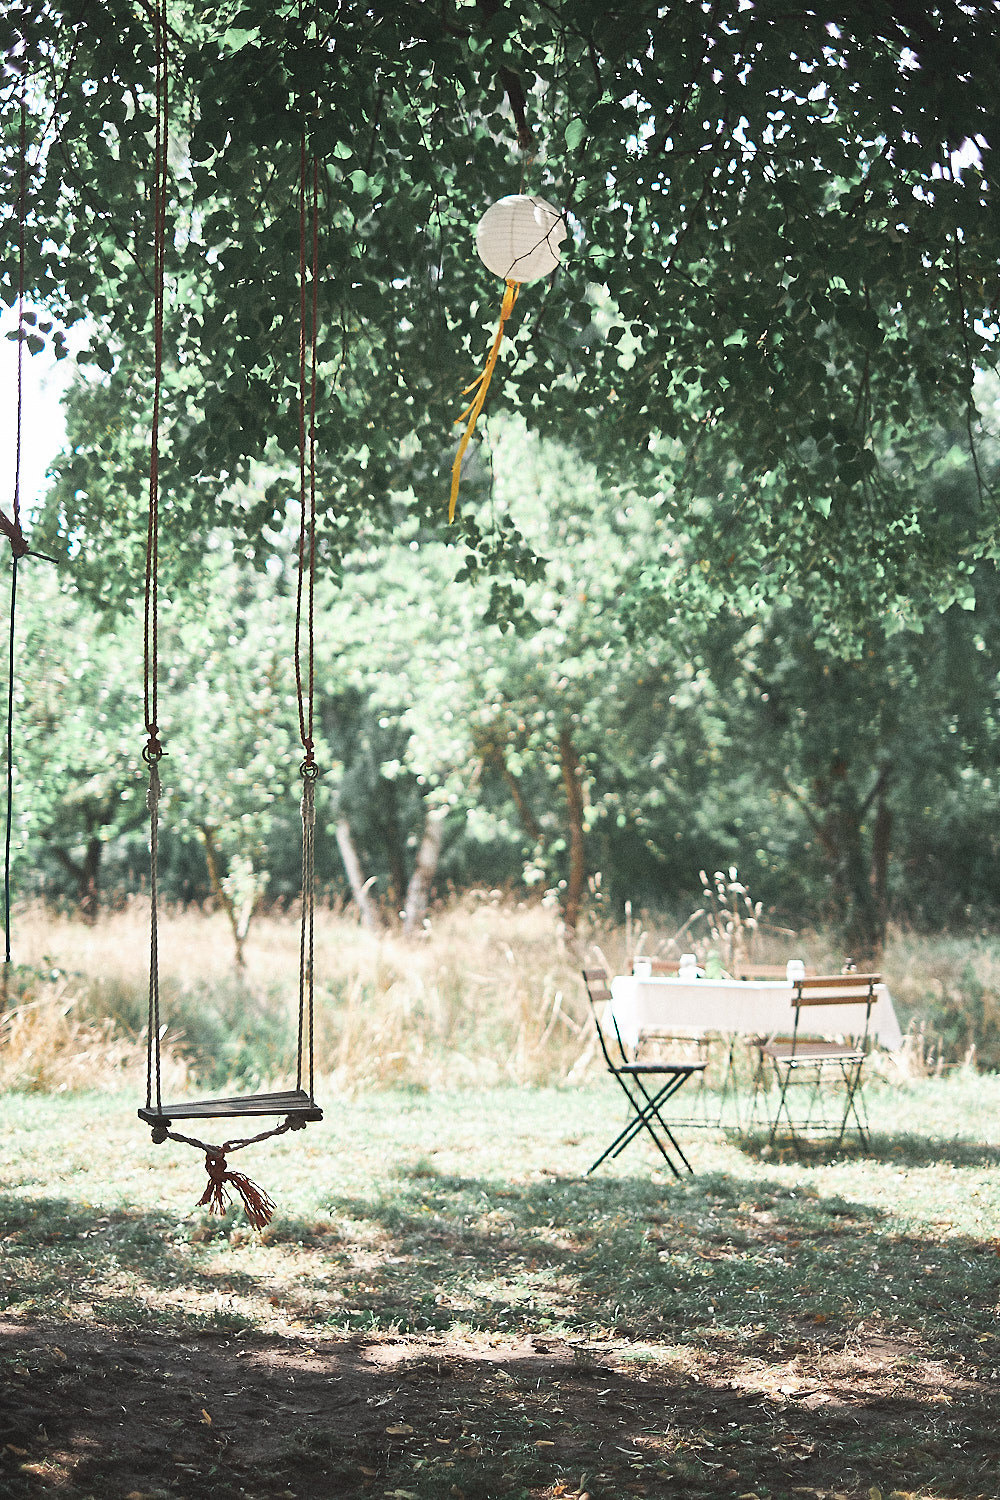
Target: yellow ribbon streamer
483	382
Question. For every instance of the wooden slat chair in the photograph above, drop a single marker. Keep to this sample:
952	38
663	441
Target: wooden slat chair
749	970
645	1103
657	967
804	1061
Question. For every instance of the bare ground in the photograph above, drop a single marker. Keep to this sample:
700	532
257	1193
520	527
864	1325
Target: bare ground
89	1412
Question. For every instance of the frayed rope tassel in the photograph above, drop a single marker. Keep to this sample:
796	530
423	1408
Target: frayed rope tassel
257	1204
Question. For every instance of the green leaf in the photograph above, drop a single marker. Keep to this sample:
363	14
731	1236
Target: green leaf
575	133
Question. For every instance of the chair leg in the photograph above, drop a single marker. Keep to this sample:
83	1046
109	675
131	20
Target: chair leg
783	1078
855	1097
629	1132
653	1108
816	1115
730	1083
643	1112
761	1082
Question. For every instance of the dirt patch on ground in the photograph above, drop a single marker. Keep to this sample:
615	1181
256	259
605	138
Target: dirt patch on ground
90	1412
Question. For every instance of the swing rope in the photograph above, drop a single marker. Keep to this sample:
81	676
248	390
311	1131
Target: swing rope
153	750
305	594
11	526
16	536
257	1204
16	527
10	772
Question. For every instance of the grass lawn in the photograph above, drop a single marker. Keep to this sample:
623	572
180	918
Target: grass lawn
446	1306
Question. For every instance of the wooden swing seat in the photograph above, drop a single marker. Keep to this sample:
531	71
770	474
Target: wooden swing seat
291	1102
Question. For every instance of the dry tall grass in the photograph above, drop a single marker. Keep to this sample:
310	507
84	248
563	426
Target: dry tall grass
489	994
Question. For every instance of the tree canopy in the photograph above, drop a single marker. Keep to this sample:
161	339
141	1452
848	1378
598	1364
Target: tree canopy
572	760
781	272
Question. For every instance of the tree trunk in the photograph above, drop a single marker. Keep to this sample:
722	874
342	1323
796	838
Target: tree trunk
881	847
85	872
528	820
89	887
837	826
418	892
360	888
572	773
388	804
239	929
852	891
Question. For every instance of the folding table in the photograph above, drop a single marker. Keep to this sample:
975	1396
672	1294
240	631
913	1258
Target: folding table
735	1008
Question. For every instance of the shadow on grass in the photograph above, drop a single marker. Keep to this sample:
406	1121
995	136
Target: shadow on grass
128	1266
756	1264
499	1340
895	1148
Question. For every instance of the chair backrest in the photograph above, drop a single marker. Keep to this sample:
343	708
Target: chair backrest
748	970
656	965
599	993
836	989
596	981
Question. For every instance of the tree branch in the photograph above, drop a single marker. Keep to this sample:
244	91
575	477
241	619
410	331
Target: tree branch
513	86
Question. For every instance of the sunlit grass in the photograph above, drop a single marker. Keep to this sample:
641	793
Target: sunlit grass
466	1217
472	1210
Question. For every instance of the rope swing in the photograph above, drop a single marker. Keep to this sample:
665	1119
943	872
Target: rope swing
11	525
297	1106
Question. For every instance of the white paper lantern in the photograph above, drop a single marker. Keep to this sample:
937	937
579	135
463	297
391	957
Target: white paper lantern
518	237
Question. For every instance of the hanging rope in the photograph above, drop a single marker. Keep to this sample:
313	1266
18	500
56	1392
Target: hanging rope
257	1204
308	333
11	525
18	546
305	599
10	772
153	748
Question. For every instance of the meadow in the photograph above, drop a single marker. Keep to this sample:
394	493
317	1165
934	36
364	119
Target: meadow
489	994
445	1304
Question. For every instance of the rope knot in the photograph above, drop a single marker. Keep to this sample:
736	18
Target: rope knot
12	531
256	1203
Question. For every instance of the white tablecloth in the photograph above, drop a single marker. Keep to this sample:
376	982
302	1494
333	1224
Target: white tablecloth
744	1007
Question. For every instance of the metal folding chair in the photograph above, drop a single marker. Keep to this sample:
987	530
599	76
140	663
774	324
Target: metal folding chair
802	1062
645	1103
